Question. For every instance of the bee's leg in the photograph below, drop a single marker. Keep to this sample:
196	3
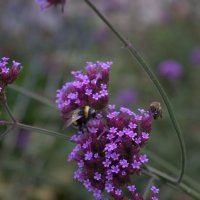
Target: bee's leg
82	128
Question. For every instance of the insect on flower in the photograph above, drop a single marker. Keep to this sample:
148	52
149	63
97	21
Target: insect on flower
156	109
80	116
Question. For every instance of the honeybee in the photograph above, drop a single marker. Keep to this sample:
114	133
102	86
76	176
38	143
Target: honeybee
155	109
80	116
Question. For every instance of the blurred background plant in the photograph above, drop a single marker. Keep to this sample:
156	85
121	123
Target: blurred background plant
50	44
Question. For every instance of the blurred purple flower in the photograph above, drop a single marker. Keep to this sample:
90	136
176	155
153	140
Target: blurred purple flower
195	56
117	158
44	4
22	139
114	5
170	69
127	97
101	35
8	75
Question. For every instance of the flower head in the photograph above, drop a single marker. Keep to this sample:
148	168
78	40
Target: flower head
170	69
8	75
87	89
44	4
118	156
107	150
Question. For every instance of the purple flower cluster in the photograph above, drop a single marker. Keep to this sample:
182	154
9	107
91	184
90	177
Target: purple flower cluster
8	75
89	89
108	151
108	147
44	4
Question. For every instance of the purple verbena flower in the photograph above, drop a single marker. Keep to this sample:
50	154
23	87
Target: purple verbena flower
154	189
170	69
118	192
154	198
106	163
107	149
134	194
111	107
131	188
124	163
97	176
114	156
88	156
109	187
144	158
97	193
8	75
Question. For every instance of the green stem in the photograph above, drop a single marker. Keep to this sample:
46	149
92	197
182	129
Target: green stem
33	128
164	177
6	107
6	132
146	192
33	95
9	112
170	168
154	79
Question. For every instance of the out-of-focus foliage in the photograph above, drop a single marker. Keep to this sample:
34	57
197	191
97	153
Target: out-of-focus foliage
50	44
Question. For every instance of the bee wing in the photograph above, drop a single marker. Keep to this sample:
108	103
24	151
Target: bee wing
72	117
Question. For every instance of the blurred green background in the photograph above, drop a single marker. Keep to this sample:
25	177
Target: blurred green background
50	44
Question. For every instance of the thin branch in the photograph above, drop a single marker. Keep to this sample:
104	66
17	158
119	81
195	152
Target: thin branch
9	128
170	168
37	129
154	79
33	95
6	107
164	177
146	192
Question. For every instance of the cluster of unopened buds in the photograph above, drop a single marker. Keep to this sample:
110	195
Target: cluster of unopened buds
108	146
8	75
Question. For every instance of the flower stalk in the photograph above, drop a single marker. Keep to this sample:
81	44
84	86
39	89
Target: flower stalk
33	95
34	128
6	107
159	175
150	183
